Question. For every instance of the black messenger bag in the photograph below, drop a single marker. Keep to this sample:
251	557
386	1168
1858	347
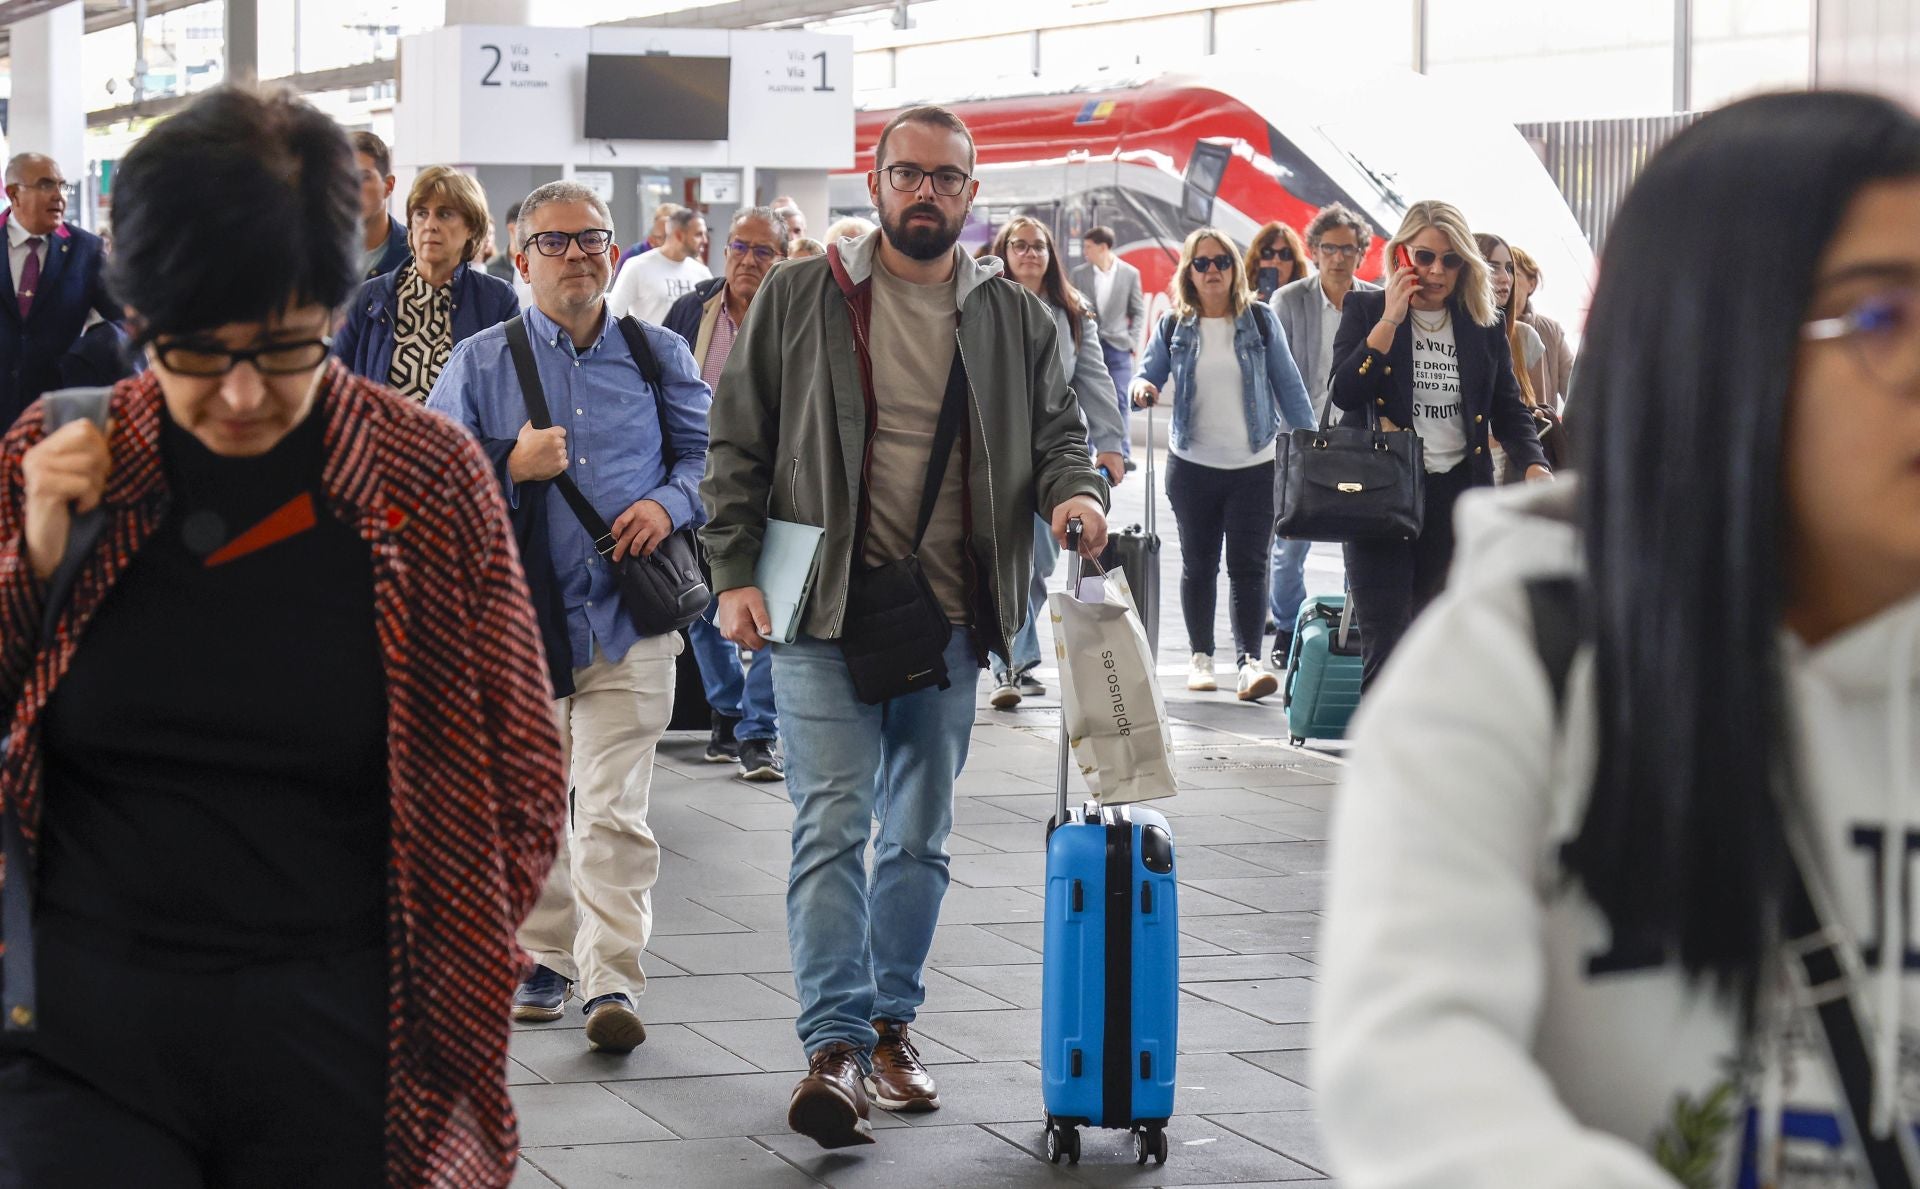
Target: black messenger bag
665	590
895	633
1347	483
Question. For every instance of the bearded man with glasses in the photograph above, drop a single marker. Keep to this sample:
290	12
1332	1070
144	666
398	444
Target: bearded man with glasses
831	412
54	271
635	449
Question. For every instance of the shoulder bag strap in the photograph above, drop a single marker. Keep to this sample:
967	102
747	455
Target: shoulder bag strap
18	979
524	367
945	433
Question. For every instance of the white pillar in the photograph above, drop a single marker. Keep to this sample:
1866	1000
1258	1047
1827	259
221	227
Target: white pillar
47	114
489	12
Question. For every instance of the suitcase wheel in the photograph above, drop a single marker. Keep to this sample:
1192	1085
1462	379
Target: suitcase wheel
1150	1142
1062	1140
1295	740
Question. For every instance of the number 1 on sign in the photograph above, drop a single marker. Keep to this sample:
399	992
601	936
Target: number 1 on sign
821	58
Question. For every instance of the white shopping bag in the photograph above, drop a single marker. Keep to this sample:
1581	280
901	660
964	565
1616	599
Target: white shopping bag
1115	717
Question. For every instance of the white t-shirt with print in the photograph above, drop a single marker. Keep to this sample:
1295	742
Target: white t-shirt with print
648	285
1438	415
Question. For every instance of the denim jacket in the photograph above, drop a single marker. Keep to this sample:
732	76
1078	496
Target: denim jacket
1270	387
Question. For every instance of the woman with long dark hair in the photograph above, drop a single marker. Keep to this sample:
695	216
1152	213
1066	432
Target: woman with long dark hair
1236	389
1621	874
1276	258
1025	245
1428	353
281	774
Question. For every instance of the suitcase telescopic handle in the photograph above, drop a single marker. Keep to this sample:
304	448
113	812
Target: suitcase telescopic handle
1074	530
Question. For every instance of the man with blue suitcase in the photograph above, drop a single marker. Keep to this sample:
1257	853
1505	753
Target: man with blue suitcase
887	393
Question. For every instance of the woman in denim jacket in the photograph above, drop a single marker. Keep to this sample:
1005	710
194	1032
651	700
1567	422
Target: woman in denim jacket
1235	383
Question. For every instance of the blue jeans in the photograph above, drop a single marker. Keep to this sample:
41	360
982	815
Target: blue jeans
747	696
1120	367
1289	585
1026	641
859	942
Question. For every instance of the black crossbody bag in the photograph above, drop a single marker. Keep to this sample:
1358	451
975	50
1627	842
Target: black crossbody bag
895	633
662	591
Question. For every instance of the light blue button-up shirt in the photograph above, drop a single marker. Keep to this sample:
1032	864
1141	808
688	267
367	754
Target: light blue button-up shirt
597	395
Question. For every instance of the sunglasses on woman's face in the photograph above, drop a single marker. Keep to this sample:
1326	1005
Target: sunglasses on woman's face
1424	257
1209	263
1284	254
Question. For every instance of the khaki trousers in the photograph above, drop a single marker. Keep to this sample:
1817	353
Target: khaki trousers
595	914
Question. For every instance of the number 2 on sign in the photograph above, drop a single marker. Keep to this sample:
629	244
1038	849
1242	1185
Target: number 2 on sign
487	79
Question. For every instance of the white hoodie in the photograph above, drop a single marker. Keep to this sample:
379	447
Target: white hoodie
1464	1040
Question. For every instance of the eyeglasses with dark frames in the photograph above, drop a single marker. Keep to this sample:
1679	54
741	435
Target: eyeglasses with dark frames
760	252
1027	247
594	241
947	181
1222	262
1424	257
1337	250
1884	332
207	359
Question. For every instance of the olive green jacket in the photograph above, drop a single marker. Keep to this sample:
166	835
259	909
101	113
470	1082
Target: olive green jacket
792	420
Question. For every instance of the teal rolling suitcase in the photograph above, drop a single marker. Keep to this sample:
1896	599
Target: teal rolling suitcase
1322	685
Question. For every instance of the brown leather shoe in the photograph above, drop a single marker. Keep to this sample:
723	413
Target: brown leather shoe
899	1082
829	1106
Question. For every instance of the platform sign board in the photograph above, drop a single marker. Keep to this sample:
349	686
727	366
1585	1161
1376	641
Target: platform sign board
501	95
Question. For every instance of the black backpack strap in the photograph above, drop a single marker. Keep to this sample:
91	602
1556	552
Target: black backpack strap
946	432
654	375
520	347
1555	605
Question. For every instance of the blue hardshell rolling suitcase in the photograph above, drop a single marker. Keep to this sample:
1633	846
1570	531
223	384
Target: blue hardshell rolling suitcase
1110	972
1322	685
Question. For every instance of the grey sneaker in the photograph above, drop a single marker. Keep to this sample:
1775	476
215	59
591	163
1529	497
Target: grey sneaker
759	761
1029	685
1006	695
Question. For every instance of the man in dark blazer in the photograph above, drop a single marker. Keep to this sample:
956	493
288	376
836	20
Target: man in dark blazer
1120	311
385	242
53	279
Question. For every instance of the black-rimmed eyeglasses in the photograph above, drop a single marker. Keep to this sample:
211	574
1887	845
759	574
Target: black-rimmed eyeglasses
200	357
947	182
594	241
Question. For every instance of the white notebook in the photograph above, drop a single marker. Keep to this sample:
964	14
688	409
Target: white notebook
789	559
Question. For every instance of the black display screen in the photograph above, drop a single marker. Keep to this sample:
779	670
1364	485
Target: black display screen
657	97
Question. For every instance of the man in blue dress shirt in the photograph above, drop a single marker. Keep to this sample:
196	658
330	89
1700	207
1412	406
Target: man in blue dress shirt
614	688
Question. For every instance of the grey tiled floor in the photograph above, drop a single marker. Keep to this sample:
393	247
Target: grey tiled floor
703	1102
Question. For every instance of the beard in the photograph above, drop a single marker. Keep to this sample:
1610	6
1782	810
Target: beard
919	242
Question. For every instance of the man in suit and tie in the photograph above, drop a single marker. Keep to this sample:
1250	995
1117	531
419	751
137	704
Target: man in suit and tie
53	279
1113	286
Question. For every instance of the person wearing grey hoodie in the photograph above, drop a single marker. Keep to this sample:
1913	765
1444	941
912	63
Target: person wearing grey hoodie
826	415
1621	891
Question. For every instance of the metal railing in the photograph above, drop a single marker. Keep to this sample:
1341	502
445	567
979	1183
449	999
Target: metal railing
1595	162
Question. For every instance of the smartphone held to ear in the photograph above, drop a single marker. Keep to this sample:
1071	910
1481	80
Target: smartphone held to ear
1400	254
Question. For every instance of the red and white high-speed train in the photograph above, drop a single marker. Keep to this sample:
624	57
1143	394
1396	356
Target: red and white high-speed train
1235	144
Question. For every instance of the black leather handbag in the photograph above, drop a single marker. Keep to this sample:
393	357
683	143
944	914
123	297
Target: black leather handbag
1347	483
662	591
894	637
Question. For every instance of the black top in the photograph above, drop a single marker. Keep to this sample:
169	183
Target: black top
216	757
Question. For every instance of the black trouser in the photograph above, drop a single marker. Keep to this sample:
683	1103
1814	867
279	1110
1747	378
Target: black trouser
1393	581
265	1075
1213	506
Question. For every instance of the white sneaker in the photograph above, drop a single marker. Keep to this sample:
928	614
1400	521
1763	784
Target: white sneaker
1200	674
1255	681
1006	695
